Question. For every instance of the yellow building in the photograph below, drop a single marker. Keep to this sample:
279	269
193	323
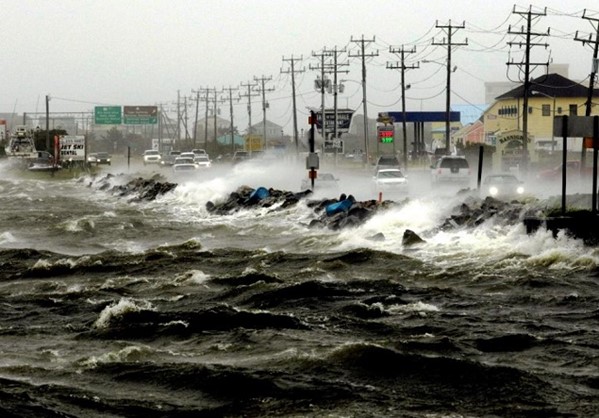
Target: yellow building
549	95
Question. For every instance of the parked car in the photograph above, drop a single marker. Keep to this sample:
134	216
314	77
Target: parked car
502	186
451	169
151	156
169	159
390	179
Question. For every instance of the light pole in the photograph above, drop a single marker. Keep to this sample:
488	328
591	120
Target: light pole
537	92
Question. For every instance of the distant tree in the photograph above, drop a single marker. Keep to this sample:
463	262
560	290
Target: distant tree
113	135
40	138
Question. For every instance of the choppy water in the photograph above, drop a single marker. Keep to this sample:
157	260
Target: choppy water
114	308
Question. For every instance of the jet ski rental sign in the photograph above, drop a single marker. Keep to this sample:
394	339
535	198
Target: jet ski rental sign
72	148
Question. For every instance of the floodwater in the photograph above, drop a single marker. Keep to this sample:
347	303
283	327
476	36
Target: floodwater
115	307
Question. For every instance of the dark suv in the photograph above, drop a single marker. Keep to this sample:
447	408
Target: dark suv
386	161
451	169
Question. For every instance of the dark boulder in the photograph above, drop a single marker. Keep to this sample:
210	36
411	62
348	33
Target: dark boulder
411	238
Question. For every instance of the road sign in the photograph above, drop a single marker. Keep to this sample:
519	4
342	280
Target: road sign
107	115
140	115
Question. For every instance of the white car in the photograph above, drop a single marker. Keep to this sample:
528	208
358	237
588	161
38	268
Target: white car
184	164
152	156
390	179
203	161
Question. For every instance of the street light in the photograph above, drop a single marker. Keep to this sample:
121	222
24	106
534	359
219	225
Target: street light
537	92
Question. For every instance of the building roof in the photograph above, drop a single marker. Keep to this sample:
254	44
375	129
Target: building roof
552	85
469	113
226	139
269	124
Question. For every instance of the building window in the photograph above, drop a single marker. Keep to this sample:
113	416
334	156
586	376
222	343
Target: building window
573	110
559	110
545	110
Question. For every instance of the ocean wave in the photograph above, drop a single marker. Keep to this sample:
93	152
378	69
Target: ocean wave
140	319
116	312
130	353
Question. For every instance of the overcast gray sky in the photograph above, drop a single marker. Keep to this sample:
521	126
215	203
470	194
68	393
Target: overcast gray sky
84	53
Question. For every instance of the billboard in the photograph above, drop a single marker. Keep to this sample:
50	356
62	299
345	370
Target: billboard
344	117
72	148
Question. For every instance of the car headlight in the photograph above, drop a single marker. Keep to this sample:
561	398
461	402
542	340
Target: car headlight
520	190
493	191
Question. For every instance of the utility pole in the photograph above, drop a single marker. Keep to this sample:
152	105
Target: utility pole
403	67
206	92
450	30
186	118
322	84
589	104
232	128
335	70
262	89
250	87
292	71
363	42
48	124
195	125
528	44
178	115
206	97
331	68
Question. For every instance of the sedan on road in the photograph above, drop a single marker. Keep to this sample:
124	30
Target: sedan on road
390	180
502	186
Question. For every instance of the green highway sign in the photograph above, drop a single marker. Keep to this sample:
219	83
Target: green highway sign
140	115
107	115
